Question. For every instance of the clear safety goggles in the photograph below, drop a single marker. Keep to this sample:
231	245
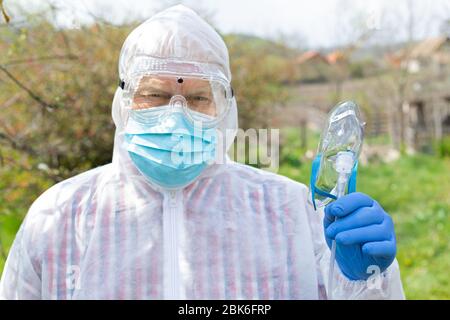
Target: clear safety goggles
202	98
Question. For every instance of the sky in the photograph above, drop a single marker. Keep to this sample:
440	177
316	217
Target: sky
305	23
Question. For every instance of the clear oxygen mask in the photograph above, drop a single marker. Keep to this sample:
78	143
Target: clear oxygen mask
335	166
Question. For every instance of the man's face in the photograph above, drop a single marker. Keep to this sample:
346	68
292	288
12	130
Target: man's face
156	91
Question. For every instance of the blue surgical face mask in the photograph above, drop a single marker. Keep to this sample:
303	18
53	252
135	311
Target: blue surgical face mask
167	148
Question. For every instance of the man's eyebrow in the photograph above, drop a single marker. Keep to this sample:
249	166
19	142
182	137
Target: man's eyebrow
151	88
200	91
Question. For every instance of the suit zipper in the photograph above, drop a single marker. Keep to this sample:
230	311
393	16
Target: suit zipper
172	222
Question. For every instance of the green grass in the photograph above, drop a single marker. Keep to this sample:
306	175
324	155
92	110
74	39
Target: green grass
9	224
416	192
382	139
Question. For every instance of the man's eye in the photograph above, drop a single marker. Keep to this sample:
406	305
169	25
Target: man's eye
200	98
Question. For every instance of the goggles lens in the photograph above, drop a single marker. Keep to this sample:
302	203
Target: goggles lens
201	96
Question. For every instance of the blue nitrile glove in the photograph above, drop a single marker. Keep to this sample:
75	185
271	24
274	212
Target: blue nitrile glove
364	235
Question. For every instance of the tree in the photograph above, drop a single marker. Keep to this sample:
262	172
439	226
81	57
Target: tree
5	15
56	91
259	73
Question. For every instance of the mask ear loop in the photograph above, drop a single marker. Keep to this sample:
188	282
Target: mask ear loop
312	182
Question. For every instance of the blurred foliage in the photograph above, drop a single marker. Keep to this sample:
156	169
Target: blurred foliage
4	14
259	68
56	93
292	152
442	147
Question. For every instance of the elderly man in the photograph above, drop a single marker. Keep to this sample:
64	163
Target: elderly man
167	220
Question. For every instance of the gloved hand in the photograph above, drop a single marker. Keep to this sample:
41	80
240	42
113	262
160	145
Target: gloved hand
364	235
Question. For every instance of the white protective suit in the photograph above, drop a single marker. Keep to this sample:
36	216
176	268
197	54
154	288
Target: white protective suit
234	233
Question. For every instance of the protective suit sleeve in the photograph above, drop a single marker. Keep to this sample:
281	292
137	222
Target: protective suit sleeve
22	274
383	286
20	281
